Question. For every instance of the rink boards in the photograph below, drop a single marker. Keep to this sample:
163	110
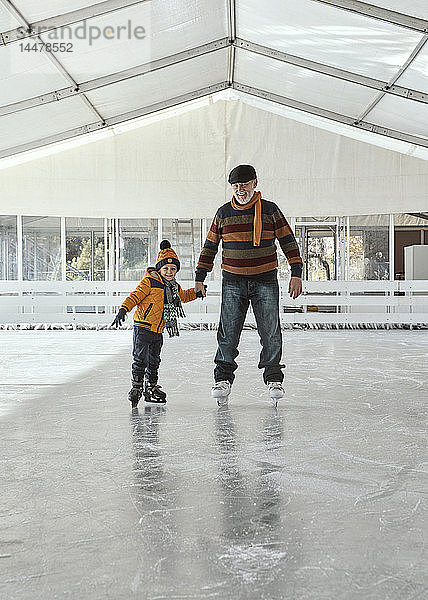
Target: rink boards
329	302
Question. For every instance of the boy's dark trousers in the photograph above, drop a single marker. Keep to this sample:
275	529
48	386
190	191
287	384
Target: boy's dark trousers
146	353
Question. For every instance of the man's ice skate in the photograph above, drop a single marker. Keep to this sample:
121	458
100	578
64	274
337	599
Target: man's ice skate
135	392
276	391
220	391
153	393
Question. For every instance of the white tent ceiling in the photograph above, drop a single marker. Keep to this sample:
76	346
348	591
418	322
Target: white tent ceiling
362	66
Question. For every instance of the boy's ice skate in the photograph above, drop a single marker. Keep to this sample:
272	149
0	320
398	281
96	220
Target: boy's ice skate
135	392
153	393
276	391
220	391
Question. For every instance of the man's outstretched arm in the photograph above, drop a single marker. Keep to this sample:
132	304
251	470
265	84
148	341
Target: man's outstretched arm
207	256
289	246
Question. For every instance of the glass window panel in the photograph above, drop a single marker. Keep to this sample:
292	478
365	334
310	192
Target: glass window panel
369	247
41	240
318	248
185	238
138	247
85	249
8	248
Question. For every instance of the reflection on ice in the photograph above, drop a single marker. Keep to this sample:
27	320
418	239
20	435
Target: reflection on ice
321	498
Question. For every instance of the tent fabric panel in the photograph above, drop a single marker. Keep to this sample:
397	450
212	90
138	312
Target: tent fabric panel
161	85
27	74
43	121
159	170
177	25
7	20
414	8
301	84
327	35
170	27
360	135
38	11
416	75
400	114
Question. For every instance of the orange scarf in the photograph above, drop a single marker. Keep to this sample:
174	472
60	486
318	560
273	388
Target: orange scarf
257	224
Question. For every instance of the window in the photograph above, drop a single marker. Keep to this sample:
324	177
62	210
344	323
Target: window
41	241
8	248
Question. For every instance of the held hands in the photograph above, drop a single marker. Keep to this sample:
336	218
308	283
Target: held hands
119	318
200	289
295	287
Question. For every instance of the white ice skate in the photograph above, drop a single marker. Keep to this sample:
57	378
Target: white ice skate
220	391
276	391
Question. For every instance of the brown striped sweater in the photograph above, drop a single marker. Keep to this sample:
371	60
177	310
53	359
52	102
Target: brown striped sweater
240	257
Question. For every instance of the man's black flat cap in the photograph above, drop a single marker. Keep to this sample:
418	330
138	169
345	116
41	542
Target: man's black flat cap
242	174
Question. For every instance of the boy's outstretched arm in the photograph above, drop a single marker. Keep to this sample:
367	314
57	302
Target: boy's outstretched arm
190	294
141	291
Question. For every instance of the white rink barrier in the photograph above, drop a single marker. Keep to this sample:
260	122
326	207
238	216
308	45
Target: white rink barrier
323	303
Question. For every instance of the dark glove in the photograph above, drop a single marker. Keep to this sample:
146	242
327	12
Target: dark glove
119	318
199	294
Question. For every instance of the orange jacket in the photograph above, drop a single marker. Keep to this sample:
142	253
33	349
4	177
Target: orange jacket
148	297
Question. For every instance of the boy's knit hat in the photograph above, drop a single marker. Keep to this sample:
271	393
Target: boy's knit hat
166	256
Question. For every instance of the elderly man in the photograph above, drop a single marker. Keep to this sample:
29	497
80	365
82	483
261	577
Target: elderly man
248	226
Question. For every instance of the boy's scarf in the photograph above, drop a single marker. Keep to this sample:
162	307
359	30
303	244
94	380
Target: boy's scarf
257	224
172	307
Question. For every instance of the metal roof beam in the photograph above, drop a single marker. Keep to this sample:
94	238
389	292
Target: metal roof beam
99	82
304	63
381	14
70	18
332	116
231	26
222	43
98	126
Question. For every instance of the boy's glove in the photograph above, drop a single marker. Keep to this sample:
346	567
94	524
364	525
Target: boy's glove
199	294
119	318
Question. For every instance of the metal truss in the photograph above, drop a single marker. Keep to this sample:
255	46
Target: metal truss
331	115
304	63
96	10
139	70
231	26
234	44
94	84
381	14
98	126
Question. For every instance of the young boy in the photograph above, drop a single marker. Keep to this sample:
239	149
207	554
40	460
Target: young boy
158	300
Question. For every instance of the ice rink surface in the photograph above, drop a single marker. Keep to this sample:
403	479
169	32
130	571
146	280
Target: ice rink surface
322	498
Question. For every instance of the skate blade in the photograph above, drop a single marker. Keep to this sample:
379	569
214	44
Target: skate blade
222	402
155	402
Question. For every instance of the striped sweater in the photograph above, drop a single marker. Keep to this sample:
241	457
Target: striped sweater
240	257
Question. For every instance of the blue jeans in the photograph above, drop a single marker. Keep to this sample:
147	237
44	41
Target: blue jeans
236	297
146	353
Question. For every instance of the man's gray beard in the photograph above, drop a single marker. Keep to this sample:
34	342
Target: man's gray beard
239	201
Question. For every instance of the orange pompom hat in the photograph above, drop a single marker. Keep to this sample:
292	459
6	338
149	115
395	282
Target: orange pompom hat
166	256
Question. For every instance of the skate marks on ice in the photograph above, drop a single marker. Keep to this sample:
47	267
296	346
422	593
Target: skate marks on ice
321	499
